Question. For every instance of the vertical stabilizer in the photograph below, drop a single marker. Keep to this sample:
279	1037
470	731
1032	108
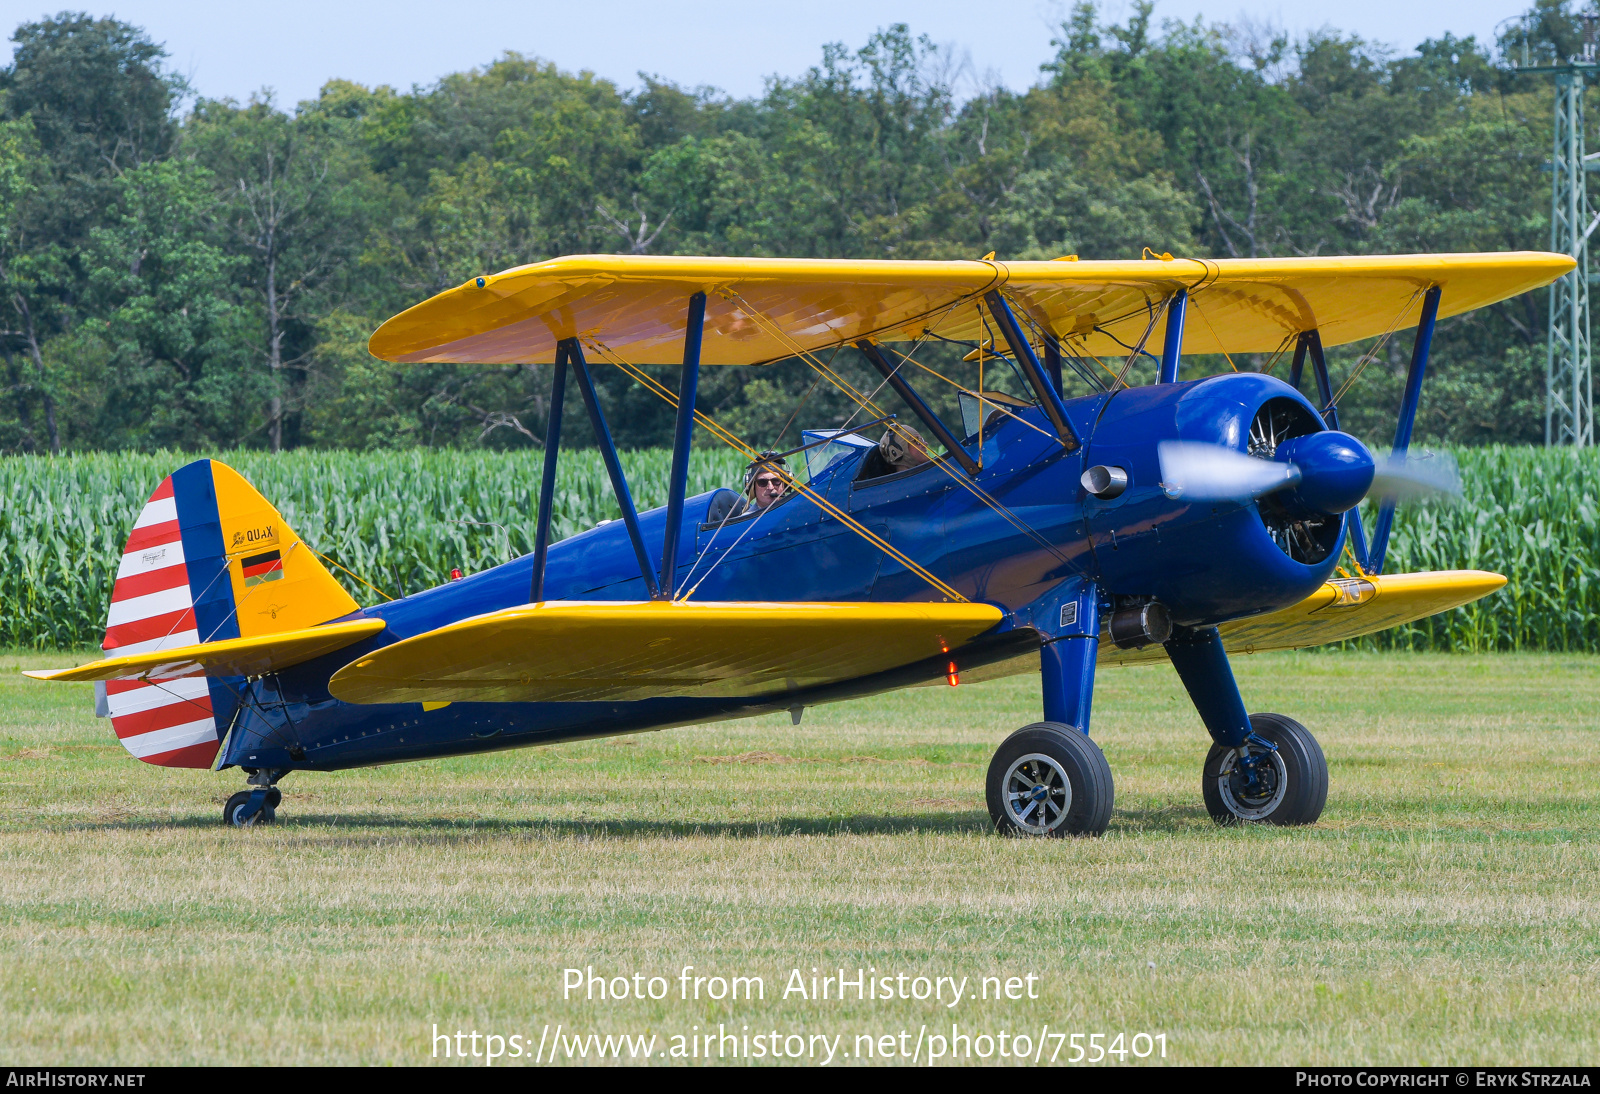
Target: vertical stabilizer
208	559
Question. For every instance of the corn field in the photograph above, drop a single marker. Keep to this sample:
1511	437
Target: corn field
1532	514
403	520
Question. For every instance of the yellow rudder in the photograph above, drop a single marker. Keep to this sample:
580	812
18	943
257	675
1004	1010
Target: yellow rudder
278	582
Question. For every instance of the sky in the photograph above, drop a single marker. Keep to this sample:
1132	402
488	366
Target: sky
229	49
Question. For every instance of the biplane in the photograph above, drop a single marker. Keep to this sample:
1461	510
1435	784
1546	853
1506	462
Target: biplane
1046	532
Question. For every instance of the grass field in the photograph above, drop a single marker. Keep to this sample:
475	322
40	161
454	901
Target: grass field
1446	910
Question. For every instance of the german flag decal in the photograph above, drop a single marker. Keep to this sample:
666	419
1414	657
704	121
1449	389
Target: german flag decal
267	566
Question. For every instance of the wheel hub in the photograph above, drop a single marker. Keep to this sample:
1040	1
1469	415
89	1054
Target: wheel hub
1253	780
1038	793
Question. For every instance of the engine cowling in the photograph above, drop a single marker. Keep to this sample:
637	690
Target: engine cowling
1210	561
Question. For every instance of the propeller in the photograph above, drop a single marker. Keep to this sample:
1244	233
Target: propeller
1415	475
1326	472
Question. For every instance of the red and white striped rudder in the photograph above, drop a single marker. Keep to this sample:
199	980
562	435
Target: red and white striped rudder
170	722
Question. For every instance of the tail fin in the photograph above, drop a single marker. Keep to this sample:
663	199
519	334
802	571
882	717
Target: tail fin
209	559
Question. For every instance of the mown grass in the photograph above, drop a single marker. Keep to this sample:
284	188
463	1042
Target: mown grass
1446	910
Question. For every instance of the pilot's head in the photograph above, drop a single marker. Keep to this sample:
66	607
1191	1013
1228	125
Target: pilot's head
763	481
902	446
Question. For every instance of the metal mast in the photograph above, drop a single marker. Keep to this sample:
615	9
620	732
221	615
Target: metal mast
1569	377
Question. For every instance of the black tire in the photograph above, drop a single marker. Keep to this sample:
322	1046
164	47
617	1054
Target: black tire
1291	785
230	811
1074	779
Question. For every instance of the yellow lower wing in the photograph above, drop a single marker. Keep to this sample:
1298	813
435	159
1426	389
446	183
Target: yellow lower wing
1351	607
576	651
1342	608
231	657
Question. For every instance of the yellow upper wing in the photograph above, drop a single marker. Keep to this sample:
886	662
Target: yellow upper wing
765	309
573	651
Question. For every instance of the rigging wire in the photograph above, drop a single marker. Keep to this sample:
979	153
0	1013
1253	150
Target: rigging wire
960	387
972	487
723	523
1086	352
823	503
1372	354
693	588
1040	335
1150	327
1204	319
352	573
1277	354
810	391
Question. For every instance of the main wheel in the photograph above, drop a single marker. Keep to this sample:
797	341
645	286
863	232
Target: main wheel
233	812
1278	776
1048	779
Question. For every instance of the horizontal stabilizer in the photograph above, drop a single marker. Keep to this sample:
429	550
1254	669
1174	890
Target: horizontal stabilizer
231	657
569	651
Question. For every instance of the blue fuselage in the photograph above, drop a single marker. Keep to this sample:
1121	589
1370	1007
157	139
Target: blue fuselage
1028	526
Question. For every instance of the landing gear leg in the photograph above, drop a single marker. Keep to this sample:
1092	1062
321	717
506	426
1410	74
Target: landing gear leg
1261	767
1049	778
258	805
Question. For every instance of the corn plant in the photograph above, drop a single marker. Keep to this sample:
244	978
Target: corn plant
403	520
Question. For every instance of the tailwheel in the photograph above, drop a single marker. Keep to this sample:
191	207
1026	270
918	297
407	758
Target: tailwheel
243	812
1278	776
1049	779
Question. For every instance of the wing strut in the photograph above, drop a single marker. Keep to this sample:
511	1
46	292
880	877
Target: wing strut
678	485
608	451
1408	418
1172	349
891	373
1052	361
547	488
1049	397
1312	340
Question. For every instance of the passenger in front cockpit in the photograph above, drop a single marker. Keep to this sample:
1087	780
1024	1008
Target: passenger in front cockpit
902	448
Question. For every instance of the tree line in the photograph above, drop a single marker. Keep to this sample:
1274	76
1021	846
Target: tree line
193	273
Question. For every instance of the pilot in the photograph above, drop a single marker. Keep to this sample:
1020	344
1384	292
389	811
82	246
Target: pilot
763	482
903	448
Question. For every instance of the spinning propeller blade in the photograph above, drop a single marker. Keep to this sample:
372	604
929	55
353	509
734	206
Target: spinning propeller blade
1210	472
1334	479
1416	475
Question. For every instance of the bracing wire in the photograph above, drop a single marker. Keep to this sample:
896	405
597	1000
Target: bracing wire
1372	354
823	503
1204	318
1038	333
1155	315
865	403
1277	354
351	572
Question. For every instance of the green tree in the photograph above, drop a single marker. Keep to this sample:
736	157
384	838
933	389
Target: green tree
295	213
98	102
163	297
29	266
